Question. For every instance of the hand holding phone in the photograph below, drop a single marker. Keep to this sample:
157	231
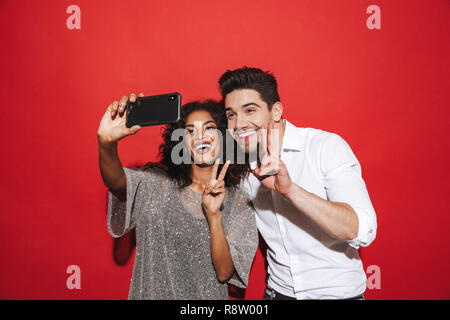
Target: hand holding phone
112	126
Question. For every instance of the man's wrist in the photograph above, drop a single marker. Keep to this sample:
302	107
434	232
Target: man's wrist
290	192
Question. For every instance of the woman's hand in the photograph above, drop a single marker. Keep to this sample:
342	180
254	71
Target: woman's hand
212	200
214	193
112	126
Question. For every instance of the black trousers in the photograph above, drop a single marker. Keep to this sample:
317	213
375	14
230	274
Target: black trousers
271	294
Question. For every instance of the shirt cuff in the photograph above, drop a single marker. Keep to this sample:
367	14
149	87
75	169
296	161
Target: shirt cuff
363	229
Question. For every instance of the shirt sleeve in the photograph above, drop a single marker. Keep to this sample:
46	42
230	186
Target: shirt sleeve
343	183
122	215
242	237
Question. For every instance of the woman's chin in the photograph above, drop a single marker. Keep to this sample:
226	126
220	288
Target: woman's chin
204	161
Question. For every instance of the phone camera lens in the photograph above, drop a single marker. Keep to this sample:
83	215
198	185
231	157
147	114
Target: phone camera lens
171	98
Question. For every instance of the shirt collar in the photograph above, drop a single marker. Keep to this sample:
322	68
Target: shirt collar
290	139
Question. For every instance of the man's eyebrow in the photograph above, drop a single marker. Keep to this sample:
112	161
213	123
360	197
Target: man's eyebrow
245	105
251	104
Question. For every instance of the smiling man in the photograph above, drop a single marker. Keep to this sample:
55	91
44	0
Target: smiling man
313	208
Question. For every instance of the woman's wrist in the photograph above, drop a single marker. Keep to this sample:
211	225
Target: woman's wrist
214	217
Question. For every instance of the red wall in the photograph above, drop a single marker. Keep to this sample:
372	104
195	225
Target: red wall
385	91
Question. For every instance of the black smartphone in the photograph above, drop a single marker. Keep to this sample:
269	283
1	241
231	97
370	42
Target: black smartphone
153	110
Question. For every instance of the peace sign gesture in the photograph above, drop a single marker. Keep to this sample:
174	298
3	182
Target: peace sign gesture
272	171
214	193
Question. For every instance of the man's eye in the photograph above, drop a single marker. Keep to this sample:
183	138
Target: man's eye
230	115
250	110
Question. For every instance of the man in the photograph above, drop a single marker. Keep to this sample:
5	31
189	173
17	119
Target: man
313	208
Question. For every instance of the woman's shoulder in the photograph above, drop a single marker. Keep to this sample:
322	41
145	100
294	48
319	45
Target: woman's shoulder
152	171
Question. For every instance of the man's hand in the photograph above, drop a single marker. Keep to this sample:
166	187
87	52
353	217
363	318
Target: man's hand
272	172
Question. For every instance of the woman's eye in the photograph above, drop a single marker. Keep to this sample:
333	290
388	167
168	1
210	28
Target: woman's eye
189	131
211	128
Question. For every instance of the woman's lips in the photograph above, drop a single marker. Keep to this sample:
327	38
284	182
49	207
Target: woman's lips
202	148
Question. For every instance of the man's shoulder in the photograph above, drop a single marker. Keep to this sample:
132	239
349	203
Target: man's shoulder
313	137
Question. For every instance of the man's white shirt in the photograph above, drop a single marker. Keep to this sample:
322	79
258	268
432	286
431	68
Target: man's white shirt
303	260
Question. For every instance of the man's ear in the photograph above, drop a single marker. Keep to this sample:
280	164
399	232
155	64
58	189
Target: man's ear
277	112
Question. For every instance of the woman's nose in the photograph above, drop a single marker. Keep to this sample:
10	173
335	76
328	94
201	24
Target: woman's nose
198	134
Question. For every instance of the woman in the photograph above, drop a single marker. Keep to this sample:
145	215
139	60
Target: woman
195	229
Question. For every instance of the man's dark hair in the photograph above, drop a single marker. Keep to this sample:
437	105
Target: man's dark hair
263	82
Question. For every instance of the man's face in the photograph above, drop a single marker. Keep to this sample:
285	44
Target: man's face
246	112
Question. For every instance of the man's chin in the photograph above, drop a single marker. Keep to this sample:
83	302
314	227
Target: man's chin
247	147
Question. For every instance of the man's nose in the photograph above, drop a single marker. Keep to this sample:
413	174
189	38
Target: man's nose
240	122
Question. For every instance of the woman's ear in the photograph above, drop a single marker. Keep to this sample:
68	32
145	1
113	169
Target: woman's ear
277	111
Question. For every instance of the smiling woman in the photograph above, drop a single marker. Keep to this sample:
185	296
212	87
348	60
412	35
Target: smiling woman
206	129
195	228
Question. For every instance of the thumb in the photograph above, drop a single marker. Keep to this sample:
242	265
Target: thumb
135	129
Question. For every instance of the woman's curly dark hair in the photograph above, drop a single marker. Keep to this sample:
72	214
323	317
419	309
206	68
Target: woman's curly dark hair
182	172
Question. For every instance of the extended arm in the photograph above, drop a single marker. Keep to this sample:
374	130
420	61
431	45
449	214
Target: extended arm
112	129
111	168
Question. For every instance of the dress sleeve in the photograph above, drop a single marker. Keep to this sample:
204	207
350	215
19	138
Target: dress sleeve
242	237
122	215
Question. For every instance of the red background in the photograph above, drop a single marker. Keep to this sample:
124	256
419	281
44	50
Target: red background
386	92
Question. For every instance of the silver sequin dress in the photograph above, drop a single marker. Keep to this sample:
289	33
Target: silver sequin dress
173	258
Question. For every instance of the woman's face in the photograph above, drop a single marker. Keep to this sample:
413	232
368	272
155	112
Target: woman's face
202	137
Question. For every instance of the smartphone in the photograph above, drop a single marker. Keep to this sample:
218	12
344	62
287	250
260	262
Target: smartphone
153	110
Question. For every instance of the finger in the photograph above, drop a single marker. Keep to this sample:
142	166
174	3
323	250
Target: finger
210	186
274	142
269	166
219	187
132	97
110	109
268	171
141	94
214	169
217	191
135	129
257	174
219	184
269	138
122	104
114	107
263	139
223	172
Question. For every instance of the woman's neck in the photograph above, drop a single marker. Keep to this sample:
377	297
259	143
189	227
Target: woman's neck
200	177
